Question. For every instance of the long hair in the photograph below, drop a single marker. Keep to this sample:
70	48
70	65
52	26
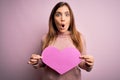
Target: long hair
52	33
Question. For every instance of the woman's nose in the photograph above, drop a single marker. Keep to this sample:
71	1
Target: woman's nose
62	18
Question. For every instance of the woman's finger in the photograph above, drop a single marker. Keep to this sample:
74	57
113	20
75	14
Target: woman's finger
29	62
35	56
89	60
84	57
90	64
33	60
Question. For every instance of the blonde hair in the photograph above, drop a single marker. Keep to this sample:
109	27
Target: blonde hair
52	33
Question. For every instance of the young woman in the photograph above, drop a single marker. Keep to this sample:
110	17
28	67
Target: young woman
62	34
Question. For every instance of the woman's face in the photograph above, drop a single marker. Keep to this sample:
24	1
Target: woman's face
62	19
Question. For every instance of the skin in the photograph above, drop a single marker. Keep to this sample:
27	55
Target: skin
89	60
62	21
34	59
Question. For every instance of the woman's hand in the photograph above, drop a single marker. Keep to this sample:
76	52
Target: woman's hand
34	59
89	60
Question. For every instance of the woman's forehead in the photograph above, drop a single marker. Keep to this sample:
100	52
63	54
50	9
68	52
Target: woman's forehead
63	9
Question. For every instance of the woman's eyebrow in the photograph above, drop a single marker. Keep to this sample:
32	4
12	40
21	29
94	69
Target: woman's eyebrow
61	12
58	12
67	12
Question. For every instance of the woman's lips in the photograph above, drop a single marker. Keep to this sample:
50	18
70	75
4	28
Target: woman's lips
62	27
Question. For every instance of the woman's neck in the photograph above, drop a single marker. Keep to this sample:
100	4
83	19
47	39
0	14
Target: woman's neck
64	34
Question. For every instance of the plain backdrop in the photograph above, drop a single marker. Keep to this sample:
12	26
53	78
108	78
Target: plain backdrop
23	22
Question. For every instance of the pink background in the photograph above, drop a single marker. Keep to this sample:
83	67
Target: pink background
23	22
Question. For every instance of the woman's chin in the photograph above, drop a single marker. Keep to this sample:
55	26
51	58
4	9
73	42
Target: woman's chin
62	31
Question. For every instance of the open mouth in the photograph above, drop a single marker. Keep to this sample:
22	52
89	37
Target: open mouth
63	25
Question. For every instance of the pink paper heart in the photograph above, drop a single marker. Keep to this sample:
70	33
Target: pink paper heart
61	60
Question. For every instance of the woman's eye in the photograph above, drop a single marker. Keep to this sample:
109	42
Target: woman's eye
57	14
67	14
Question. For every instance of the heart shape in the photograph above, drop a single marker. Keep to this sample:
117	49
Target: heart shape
61	60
